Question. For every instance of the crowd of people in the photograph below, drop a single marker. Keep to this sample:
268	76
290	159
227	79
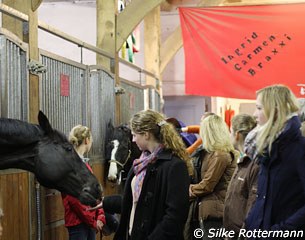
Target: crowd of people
249	178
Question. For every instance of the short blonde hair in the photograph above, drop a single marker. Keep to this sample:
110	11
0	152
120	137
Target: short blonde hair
78	134
215	134
278	103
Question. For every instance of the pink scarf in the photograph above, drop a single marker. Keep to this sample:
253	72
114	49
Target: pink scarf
139	168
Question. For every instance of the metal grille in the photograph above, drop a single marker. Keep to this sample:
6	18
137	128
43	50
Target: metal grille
132	100
154	100
13	80
64	93
102	108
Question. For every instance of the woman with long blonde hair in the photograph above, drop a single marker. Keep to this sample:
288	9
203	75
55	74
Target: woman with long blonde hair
218	161
280	201
155	201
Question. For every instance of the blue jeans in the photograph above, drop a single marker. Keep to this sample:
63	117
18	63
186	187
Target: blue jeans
81	232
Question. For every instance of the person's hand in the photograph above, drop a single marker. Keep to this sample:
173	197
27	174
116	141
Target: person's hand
183	129
99	225
100	205
191	194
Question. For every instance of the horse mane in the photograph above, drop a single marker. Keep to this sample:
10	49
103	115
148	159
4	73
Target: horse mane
59	136
16	132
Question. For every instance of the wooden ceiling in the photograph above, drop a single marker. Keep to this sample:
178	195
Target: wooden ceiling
167	5
171	5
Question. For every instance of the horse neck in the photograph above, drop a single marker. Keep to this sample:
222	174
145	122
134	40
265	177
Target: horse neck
21	159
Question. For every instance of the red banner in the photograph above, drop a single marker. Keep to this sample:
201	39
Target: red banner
234	51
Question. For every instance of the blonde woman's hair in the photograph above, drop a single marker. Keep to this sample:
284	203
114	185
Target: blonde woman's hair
164	132
215	134
279	103
243	124
78	134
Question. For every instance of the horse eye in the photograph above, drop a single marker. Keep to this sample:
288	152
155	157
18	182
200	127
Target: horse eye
69	148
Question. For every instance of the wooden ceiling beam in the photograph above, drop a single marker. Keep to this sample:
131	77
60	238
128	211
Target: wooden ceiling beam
130	17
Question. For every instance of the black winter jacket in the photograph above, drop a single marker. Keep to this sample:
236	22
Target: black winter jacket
163	203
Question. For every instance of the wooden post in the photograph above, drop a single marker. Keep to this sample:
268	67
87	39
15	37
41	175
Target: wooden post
106	39
33	55
152	46
105	14
34	105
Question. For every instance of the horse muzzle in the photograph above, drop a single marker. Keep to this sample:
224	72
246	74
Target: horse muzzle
91	195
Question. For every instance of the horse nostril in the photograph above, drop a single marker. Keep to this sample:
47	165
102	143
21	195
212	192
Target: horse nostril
86	189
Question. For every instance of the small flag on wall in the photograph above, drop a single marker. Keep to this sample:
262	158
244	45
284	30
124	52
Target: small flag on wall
64	85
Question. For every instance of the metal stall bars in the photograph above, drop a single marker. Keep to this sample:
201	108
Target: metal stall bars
14	184
63	92
154	99
101	108
13	77
132	100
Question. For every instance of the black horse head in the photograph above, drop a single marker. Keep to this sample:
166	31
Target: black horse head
48	154
120	151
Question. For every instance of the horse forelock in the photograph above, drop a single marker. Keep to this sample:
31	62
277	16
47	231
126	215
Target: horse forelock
122	133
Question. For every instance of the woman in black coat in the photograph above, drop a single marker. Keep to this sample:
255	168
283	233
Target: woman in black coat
155	202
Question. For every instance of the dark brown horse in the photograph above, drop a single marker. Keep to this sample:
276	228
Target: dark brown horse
48	154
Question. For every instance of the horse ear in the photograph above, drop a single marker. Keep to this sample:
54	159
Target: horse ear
44	123
109	130
110	126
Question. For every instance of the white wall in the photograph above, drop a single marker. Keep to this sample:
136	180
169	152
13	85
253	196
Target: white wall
219	105
187	109
79	20
173	74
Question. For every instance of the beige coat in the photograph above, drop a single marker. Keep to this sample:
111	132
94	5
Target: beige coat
216	171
